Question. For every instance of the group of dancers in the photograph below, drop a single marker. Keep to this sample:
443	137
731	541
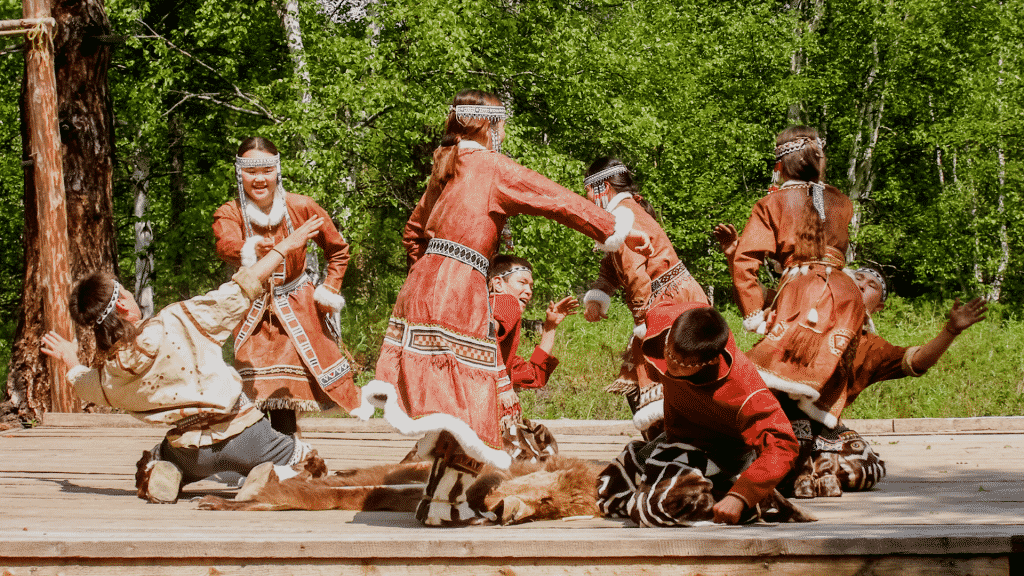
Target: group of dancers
727	435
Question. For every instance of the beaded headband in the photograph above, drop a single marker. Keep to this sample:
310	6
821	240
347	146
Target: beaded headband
796	145
877	276
513	270
492	113
110	305
670	351
604	174
264	162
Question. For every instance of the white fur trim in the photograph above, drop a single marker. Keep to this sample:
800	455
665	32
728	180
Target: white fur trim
277	210
249	257
754	322
869	325
618	198
649	414
380	394
471	144
817	413
325	297
599	296
639	331
624	219
285	472
796	390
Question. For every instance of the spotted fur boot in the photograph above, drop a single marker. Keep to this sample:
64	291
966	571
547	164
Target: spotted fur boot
452	472
157	481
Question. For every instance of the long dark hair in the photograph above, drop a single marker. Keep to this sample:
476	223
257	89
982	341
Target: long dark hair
621	182
458	129
808	165
89	298
257	143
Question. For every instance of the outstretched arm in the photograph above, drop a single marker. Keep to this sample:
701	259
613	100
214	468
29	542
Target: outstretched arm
961	317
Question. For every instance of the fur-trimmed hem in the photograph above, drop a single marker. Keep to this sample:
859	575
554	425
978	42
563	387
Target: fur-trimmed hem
624	220
277	211
380	394
249	257
796	390
649	414
599	296
288	404
323	296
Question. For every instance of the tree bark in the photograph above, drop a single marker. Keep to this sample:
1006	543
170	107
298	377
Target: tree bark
861	173
85	123
144	260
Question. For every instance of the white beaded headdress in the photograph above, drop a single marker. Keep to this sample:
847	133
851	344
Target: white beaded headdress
513	270
598	180
817	189
881	281
242	163
493	114
110	305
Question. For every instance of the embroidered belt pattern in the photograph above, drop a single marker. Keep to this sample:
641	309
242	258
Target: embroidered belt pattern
436	340
206	419
457	251
662	282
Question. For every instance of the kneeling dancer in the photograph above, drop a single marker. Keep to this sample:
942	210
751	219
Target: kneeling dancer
726	441
169	370
440	373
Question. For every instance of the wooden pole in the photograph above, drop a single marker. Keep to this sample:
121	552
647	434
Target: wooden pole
48	172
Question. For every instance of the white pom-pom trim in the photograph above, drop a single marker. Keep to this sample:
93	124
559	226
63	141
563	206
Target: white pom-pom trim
640	330
754	322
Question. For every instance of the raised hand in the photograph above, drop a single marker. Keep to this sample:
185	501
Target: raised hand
559	311
727	238
309	229
640	242
962	317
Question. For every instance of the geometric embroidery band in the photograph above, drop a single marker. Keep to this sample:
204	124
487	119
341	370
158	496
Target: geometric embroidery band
457	251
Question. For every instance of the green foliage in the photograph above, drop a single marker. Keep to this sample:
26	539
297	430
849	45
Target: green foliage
688	94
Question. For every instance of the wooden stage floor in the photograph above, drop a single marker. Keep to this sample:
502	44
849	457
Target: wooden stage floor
953	503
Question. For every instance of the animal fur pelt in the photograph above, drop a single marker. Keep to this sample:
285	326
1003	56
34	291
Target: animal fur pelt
557	488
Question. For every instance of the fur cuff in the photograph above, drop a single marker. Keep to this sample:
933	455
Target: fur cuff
382	395
598	296
816	413
323	296
624	219
754	322
249	257
639	331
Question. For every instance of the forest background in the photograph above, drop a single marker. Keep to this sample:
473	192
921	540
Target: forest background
920	102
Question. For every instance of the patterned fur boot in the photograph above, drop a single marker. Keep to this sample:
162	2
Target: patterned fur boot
452	472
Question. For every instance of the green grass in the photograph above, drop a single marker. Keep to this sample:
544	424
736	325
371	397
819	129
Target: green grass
980	375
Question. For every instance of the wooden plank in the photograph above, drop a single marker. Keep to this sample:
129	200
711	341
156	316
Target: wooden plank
907	566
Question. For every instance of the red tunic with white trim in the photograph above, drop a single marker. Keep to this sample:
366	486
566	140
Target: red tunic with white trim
725	415
878	360
283	348
440	349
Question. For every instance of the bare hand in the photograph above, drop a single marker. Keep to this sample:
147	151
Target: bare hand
56	346
727	238
263	246
967	315
309	229
728	509
640	242
559	311
593	312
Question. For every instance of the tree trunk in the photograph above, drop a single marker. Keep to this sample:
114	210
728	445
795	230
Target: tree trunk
861	173
179	199
796	113
86	132
144	261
